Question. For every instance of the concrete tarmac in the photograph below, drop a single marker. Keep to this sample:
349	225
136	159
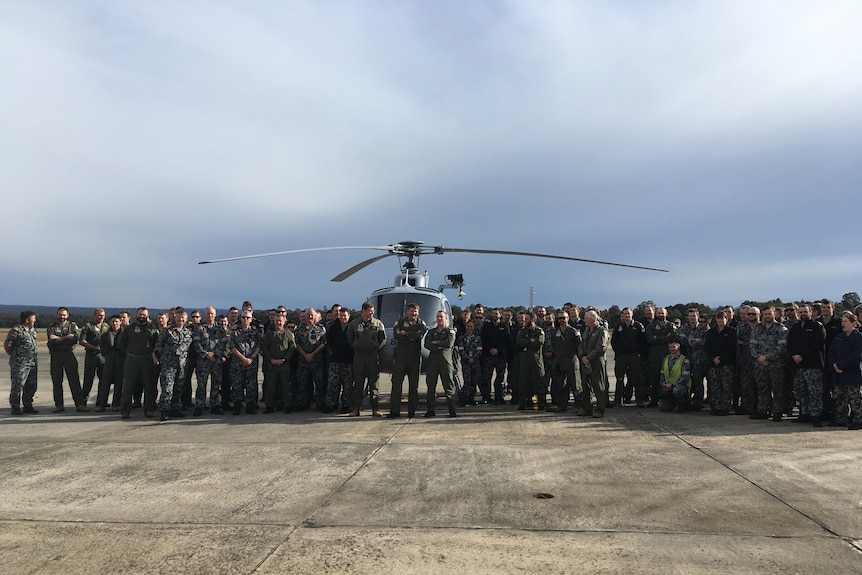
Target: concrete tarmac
495	490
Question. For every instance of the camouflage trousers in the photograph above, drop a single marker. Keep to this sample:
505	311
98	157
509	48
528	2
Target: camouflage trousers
848	396
808	387
339	384
171	380
473	380
747	395
23	383
770	388
698	363
207	370
309	384
678	396
490	365
721	387
243	382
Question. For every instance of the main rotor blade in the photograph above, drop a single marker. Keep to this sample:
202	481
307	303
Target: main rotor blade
442	249
350	271
387	248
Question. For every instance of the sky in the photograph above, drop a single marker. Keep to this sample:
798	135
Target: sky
717	140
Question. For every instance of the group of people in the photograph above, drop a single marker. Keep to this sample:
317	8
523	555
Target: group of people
763	364
756	364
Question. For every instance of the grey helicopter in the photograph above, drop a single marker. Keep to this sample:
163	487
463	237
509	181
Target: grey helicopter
411	286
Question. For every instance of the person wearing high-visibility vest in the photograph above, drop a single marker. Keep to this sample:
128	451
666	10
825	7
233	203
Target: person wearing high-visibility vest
675	379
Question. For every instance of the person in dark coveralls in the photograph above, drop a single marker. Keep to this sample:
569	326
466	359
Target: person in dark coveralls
594	345
136	342
565	341
112	371
627	341
90	338
278	346
62	337
367	336
408	332
21	345
439	342
530	341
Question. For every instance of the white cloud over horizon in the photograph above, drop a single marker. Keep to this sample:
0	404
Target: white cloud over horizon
142	137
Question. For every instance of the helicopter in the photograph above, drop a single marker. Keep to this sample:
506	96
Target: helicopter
411	286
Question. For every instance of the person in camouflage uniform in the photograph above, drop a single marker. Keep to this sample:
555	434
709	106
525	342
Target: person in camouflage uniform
531	341
340	372
675	379
90	338
469	346
62	337
769	350
21	345
245	348
171	351
844	354
367	336
720	349
209	343
658	333
440	342
311	346
806	342
745	362
692	335
278	346
112	371
408	332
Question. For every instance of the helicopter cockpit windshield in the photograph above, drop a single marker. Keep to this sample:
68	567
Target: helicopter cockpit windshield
392	306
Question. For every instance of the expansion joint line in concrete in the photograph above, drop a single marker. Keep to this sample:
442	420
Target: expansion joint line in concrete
309	520
822	525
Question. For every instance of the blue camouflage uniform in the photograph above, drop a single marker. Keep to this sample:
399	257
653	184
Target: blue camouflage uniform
173	344
692	339
769	341
209	339
244	378
676	373
23	342
470	349
309	374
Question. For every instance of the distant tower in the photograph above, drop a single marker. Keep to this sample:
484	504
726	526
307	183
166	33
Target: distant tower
531	298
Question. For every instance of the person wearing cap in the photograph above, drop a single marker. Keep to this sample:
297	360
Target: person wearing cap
675	379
